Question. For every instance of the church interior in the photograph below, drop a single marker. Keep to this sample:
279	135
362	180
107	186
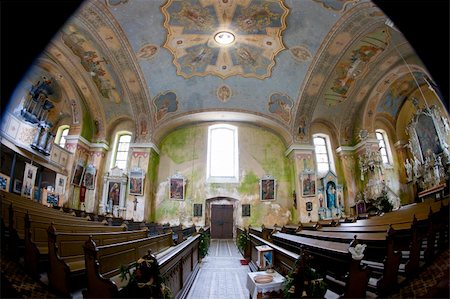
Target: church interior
288	135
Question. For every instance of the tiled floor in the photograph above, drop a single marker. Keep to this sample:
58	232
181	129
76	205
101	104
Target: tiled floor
221	274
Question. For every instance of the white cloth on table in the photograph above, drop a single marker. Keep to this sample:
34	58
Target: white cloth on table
255	288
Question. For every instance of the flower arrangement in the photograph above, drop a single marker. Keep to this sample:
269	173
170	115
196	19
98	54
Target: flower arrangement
144	281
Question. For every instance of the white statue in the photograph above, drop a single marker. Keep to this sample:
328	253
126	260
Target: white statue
408	168
357	251
416	168
437	175
446	125
446	153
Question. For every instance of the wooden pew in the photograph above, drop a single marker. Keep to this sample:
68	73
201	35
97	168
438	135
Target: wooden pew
36	238
180	266
66	255
344	275
380	255
261	232
103	262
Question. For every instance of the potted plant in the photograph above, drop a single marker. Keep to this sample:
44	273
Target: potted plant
243	242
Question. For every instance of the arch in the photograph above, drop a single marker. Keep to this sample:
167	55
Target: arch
379	91
223	116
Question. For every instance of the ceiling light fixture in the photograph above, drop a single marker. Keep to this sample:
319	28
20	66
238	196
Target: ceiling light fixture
224	38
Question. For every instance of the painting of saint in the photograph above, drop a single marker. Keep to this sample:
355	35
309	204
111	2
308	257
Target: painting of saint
114	193
267	189
78	174
309	185
176	188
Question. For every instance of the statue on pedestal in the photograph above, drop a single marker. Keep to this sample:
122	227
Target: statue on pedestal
408	168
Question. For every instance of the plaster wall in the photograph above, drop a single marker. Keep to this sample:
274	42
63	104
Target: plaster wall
261	152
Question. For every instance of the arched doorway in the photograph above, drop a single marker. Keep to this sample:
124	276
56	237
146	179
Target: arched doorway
220	215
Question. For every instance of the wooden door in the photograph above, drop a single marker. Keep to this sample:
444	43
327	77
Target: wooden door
221	221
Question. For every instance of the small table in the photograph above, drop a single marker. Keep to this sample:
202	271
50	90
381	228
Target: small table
257	289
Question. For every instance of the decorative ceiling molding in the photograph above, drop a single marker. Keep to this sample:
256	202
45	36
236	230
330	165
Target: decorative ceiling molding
193	24
336	5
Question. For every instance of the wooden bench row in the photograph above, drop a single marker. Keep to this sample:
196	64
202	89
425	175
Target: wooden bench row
345	276
178	265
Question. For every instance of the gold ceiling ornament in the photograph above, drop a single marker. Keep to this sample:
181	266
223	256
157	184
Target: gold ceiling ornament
224	38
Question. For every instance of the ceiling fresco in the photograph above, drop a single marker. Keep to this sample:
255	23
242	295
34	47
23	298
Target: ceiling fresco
398	91
144	25
291	63
257	26
354	64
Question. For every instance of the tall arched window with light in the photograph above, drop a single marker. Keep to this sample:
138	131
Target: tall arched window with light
324	159
61	134
122	146
223	157
385	150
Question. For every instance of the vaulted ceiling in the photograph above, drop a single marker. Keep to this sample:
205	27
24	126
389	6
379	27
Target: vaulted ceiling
292	63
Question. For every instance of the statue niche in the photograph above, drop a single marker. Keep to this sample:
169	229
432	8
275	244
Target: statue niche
331	197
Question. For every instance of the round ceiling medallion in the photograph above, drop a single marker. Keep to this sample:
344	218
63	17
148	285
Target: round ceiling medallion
224	38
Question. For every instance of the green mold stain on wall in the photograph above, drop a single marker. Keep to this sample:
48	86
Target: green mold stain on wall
249	184
294	215
153	167
272	158
87	131
257	212
167	209
180	145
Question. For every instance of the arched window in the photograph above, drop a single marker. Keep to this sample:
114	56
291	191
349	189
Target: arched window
385	150
324	158
121	147
223	157
61	134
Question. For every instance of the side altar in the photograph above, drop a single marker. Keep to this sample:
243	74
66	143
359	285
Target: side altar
331	197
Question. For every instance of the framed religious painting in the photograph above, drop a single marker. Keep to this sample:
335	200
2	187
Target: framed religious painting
136	181
89	177
245	210
176	187
308	184
427	133
60	184
78	174
17	187
4	182
267	188
198	207
29	178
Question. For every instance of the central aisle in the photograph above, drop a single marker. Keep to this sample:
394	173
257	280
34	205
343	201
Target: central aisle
221	274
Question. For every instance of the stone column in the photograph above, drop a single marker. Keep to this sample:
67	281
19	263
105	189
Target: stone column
304	163
349	166
97	157
146	157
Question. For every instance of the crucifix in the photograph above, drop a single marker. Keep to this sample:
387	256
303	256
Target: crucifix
135	201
